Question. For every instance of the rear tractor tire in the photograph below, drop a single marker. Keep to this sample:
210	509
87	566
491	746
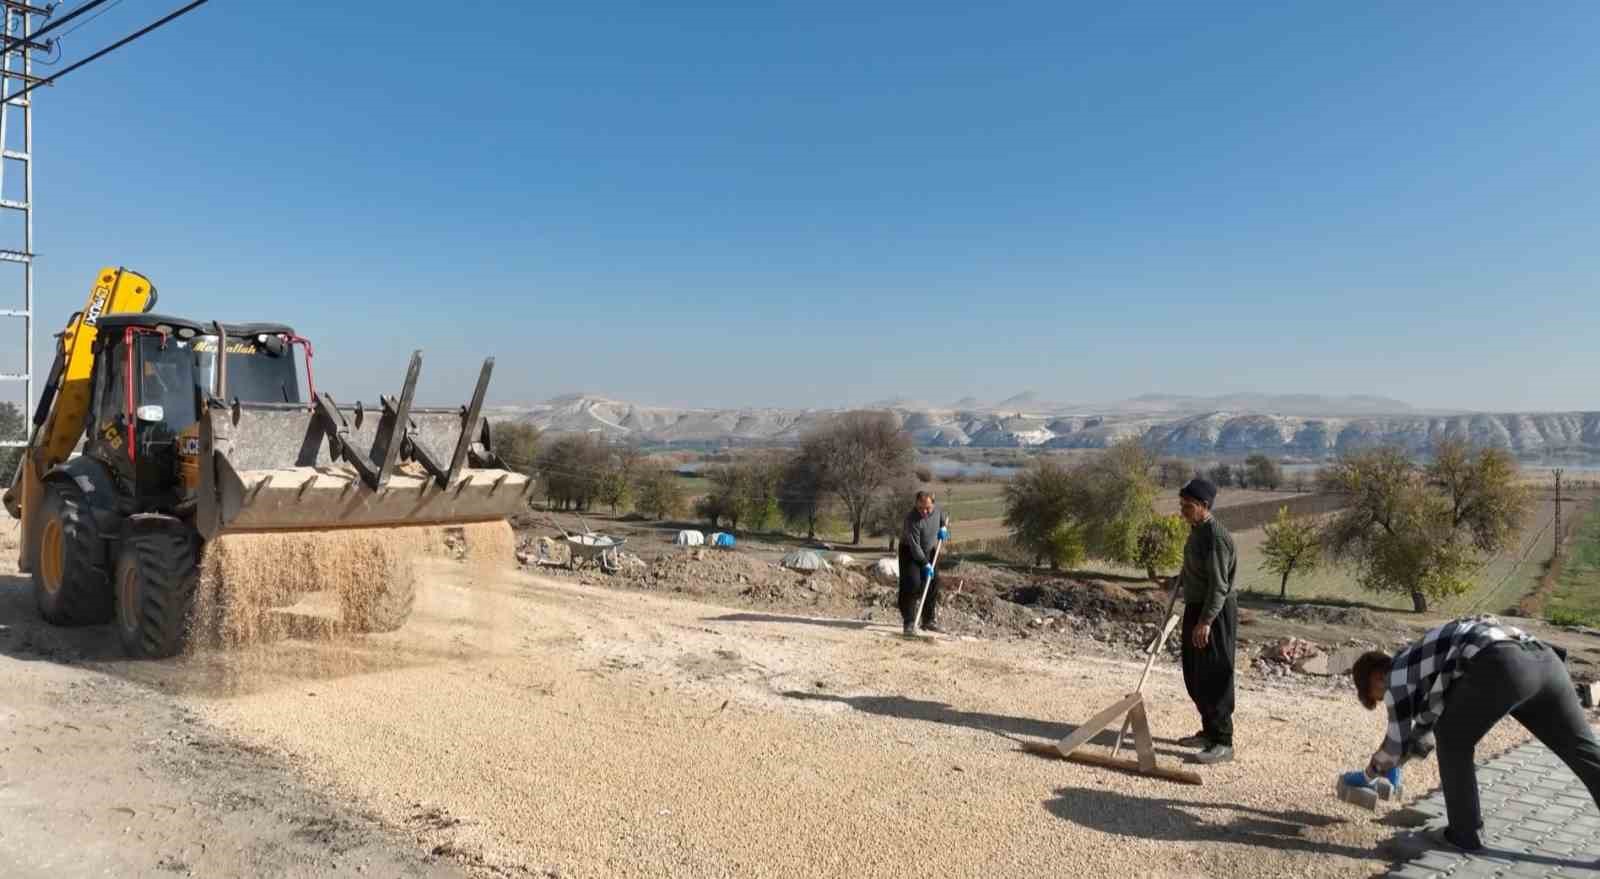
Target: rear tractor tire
382	606
70	582
156	580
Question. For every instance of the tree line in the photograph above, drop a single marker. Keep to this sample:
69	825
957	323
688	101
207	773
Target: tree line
858	468
1421	529
1413	528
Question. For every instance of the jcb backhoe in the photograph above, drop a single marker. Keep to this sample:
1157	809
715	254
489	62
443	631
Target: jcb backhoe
194	431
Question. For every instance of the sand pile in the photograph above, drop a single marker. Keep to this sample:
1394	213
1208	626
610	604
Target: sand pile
370	571
243	576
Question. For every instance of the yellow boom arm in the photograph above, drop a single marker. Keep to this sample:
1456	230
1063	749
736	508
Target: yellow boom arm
64	402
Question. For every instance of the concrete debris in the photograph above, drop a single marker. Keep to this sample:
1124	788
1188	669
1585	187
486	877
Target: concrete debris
1289	651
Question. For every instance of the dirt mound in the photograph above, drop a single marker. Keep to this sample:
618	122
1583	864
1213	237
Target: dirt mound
1091	598
1330	615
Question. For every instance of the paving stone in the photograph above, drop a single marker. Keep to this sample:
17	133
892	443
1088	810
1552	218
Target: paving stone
1440	861
1538	821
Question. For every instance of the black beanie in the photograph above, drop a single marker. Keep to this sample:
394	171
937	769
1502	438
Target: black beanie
1201	490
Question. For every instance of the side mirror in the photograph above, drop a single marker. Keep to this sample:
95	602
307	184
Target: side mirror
151	414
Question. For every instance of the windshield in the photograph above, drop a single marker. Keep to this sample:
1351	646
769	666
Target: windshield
166	379
257	372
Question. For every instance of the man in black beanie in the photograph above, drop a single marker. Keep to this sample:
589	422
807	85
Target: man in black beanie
1210	622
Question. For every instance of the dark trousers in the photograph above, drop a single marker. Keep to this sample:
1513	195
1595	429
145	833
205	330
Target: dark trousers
911	592
1530	683
1208	672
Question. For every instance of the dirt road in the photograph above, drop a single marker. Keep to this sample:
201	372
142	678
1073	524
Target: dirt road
520	726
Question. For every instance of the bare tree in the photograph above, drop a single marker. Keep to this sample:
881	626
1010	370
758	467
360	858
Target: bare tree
803	491
572	468
861	454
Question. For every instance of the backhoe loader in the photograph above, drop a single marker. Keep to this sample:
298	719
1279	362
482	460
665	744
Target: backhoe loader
189	432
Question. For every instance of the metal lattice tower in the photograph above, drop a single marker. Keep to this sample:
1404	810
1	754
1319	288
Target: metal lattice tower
16	73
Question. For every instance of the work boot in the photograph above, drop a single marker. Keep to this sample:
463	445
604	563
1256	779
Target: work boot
1214	754
1198	740
910	630
931	626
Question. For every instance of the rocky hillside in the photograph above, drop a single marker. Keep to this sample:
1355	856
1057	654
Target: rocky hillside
1179	433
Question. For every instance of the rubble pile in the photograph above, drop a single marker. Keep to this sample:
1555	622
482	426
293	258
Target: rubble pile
1289	655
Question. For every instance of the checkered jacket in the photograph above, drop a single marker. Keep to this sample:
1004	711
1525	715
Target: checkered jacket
1421	676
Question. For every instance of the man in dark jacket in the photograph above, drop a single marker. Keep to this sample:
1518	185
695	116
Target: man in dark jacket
923	529
1210	621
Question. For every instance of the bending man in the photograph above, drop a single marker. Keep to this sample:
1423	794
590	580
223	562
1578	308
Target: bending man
1449	689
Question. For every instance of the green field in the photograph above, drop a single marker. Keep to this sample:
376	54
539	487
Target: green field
1499	584
972	501
1577	595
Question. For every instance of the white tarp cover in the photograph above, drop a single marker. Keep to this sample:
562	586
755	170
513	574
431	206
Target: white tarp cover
805	560
886	571
689	538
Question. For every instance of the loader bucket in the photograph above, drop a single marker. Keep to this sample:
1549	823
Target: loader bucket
290	467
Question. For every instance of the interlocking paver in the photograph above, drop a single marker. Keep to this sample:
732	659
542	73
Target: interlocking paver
1438	861
1538	822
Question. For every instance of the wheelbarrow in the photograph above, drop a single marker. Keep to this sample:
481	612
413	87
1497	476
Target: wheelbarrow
601	549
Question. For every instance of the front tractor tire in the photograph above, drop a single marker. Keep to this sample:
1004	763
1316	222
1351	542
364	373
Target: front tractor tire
156	578
70	582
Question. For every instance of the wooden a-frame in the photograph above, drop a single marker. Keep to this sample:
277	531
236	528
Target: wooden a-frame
1130	709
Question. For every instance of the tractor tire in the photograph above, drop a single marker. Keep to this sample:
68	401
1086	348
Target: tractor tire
383	607
70	582
156	578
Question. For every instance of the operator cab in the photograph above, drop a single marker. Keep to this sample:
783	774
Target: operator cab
153	373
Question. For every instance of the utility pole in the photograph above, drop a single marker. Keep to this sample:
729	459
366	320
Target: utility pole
20	37
16	74
1558	513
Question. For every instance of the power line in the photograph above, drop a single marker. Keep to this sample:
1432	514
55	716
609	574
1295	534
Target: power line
12	42
109	49
62	37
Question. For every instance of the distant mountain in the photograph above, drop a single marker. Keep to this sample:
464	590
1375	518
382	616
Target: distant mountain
1275	404
1163	424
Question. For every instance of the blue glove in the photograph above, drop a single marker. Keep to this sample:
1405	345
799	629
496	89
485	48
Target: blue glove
1357	778
944	533
1391	788
927	572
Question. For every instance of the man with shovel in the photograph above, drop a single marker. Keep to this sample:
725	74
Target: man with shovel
1210	622
920	534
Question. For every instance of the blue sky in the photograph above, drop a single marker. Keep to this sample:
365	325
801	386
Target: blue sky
820	204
